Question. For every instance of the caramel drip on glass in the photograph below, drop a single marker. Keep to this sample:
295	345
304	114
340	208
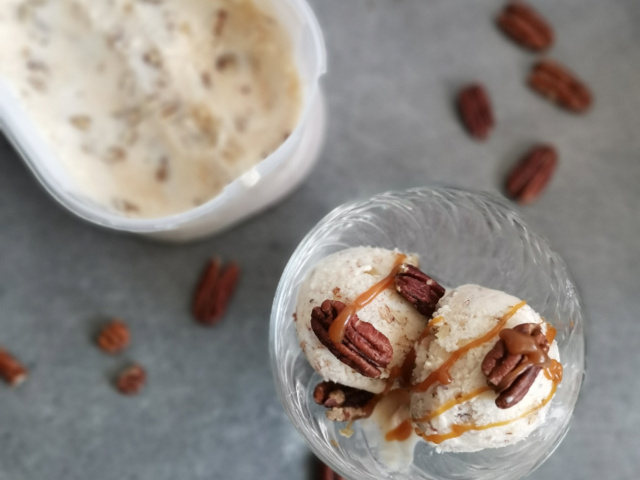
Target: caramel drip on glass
452	403
551	333
457	430
554	372
400	433
442	375
339	325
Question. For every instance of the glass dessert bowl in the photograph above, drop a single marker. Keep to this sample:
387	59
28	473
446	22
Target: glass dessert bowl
460	238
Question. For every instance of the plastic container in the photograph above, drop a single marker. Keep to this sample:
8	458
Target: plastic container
255	190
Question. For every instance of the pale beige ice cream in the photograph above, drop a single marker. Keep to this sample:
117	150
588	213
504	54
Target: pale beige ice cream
465	314
343	276
153	106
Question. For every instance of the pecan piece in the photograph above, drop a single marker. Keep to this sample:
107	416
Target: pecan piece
512	369
325	473
418	288
214	291
475	111
114	336
13	372
555	82
131	380
363	348
526	26
528	179
220	21
343	403
518	389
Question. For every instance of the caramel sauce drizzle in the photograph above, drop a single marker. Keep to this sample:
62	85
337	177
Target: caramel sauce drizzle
432	322
522	344
457	429
554	371
452	403
339	325
400	433
441	374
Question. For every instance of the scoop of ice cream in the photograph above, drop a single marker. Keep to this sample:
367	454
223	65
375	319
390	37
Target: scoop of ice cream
344	276
462	416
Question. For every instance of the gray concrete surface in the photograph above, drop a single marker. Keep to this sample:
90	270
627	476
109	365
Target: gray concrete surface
210	410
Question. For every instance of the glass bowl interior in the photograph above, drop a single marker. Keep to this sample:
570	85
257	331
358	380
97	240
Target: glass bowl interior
461	237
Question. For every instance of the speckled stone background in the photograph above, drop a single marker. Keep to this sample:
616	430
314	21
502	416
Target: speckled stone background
210	410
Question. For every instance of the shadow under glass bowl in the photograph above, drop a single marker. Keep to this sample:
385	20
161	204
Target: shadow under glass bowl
461	237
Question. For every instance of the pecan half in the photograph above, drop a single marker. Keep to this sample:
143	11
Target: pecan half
555	82
131	380
526	26
418	288
325	473
13	372
528	179
475	111
363	348
214	291
114	336
343	403
511	374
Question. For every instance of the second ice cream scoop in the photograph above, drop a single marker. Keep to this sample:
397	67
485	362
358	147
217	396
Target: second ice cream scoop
453	402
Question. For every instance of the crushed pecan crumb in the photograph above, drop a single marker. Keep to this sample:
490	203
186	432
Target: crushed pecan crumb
131	380
124	205
225	61
206	79
162	172
153	58
221	19
81	122
115	154
114	336
11	370
343	403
